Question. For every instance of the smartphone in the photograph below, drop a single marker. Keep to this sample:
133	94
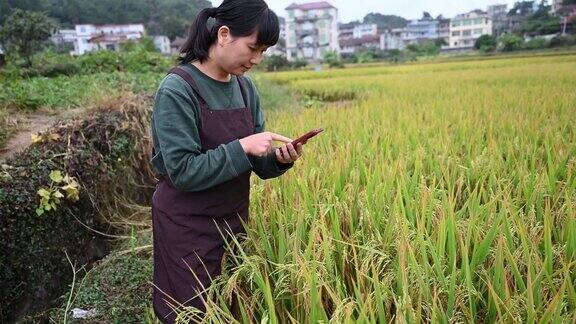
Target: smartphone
304	138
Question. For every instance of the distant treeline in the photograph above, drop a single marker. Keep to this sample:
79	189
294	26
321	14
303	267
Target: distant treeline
161	17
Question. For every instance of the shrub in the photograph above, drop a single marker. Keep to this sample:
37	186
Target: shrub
299	64
100	290
333	60
510	43
535	43
486	43
276	63
106	153
560	41
366	57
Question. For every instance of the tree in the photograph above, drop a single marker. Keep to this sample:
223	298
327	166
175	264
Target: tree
426	16
541	22
486	43
521	8
385	21
24	33
161	17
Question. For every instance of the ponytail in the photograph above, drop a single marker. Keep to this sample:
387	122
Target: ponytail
200	38
242	17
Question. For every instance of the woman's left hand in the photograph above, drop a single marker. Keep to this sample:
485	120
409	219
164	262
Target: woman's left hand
288	154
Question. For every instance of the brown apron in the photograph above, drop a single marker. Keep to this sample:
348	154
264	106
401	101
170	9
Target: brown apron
188	245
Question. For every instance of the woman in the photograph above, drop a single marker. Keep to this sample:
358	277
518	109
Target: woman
208	133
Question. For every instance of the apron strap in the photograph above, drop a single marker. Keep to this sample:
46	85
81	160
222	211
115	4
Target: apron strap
190	80
243	86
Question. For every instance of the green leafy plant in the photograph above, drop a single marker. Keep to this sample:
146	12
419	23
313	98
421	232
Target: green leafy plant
50	197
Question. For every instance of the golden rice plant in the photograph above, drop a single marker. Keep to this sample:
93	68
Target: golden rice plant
440	193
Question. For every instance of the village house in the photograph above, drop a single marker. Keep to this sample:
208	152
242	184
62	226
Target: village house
311	30
86	38
466	28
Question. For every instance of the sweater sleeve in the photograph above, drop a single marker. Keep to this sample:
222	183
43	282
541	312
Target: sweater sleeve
175	126
265	167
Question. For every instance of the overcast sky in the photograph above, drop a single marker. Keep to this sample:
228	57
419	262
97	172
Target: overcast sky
349	10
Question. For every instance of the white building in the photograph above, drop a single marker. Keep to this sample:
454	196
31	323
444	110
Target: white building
353	45
311	30
365	30
465	29
64	36
93	37
497	14
497	10
393	39
162	43
346	31
422	30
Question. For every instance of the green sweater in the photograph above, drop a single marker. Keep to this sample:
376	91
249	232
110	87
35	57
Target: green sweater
176	136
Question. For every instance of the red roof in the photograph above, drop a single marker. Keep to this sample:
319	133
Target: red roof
311	6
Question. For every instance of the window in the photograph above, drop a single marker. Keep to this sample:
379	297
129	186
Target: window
466	32
455	33
82	29
291	13
467	22
478	21
321	23
323	39
477	31
456	23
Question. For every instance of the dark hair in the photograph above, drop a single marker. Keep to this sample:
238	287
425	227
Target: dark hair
243	17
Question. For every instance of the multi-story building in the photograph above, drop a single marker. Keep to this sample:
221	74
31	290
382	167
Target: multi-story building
346	31
360	31
497	10
422	30
497	14
280	47
465	29
93	37
353	45
444	30
353	37
311	30
393	39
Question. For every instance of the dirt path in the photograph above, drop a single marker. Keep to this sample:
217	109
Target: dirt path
33	124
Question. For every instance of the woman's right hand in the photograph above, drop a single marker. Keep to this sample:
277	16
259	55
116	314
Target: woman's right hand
261	144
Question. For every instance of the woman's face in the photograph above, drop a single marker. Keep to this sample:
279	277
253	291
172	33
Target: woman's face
237	55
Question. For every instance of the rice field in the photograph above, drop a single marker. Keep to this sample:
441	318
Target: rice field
437	193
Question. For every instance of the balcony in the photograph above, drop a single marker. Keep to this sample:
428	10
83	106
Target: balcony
306	32
304	19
